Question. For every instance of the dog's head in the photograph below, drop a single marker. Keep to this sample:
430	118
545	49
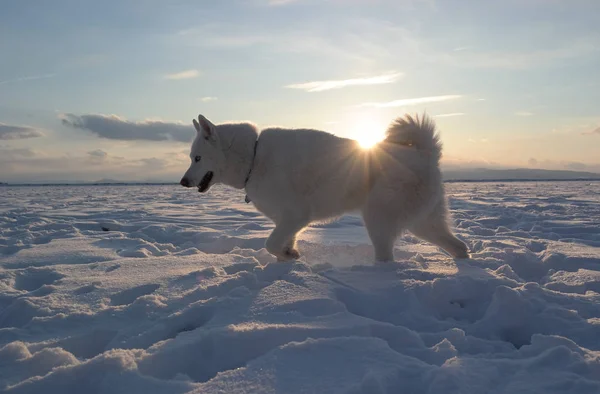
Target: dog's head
206	155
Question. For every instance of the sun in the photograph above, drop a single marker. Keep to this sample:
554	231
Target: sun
368	130
368	141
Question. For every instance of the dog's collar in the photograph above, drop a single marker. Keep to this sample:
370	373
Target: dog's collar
250	170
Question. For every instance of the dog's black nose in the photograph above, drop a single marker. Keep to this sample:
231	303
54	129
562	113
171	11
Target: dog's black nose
185	182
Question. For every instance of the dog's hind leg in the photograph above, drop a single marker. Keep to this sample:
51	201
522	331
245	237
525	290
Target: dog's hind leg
434	228
281	242
383	228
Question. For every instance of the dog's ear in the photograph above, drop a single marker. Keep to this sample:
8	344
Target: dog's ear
206	128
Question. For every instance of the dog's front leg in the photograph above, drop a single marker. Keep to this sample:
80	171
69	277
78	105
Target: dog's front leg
281	242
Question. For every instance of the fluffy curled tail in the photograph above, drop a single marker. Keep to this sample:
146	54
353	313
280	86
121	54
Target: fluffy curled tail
418	132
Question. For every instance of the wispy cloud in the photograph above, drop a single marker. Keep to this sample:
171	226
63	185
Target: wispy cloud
369	46
29	78
595	131
8	153
280	2
524	113
187	74
449	115
518	60
116	128
575	165
208	99
223	36
319	86
412	101
12	132
373	41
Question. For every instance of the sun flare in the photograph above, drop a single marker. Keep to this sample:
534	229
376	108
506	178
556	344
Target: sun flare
368	141
368	130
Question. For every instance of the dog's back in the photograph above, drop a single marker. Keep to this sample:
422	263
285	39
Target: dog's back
307	170
326	175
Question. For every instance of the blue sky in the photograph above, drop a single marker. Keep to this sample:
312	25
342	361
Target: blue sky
86	86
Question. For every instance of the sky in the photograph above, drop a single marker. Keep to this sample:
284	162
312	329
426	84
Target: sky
92	90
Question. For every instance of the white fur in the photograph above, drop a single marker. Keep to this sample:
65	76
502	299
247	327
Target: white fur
302	176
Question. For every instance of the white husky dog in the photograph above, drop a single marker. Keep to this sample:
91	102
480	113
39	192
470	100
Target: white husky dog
295	177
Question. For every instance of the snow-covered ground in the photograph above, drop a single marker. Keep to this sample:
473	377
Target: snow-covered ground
159	289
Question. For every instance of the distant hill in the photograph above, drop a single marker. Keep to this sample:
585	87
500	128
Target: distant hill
107	180
517	174
140	182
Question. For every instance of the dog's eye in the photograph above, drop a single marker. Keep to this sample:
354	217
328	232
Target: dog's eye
197	159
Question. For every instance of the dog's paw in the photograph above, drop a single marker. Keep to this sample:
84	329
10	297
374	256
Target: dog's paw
291	254
460	254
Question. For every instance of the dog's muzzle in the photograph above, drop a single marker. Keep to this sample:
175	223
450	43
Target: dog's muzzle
185	182
205	182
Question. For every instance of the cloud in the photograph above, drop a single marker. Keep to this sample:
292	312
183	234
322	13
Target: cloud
373	41
595	131
412	101
20	153
512	60
208	99
481	140
280	2
98	153
11	132
116	128
357	42
154	162
101	157
459	163
575	165
29	78
532	162
223	37
449	115
319	86
187	74
524	113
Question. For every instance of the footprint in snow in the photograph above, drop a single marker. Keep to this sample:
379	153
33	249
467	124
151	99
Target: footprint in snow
128	296
32	279
112	268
